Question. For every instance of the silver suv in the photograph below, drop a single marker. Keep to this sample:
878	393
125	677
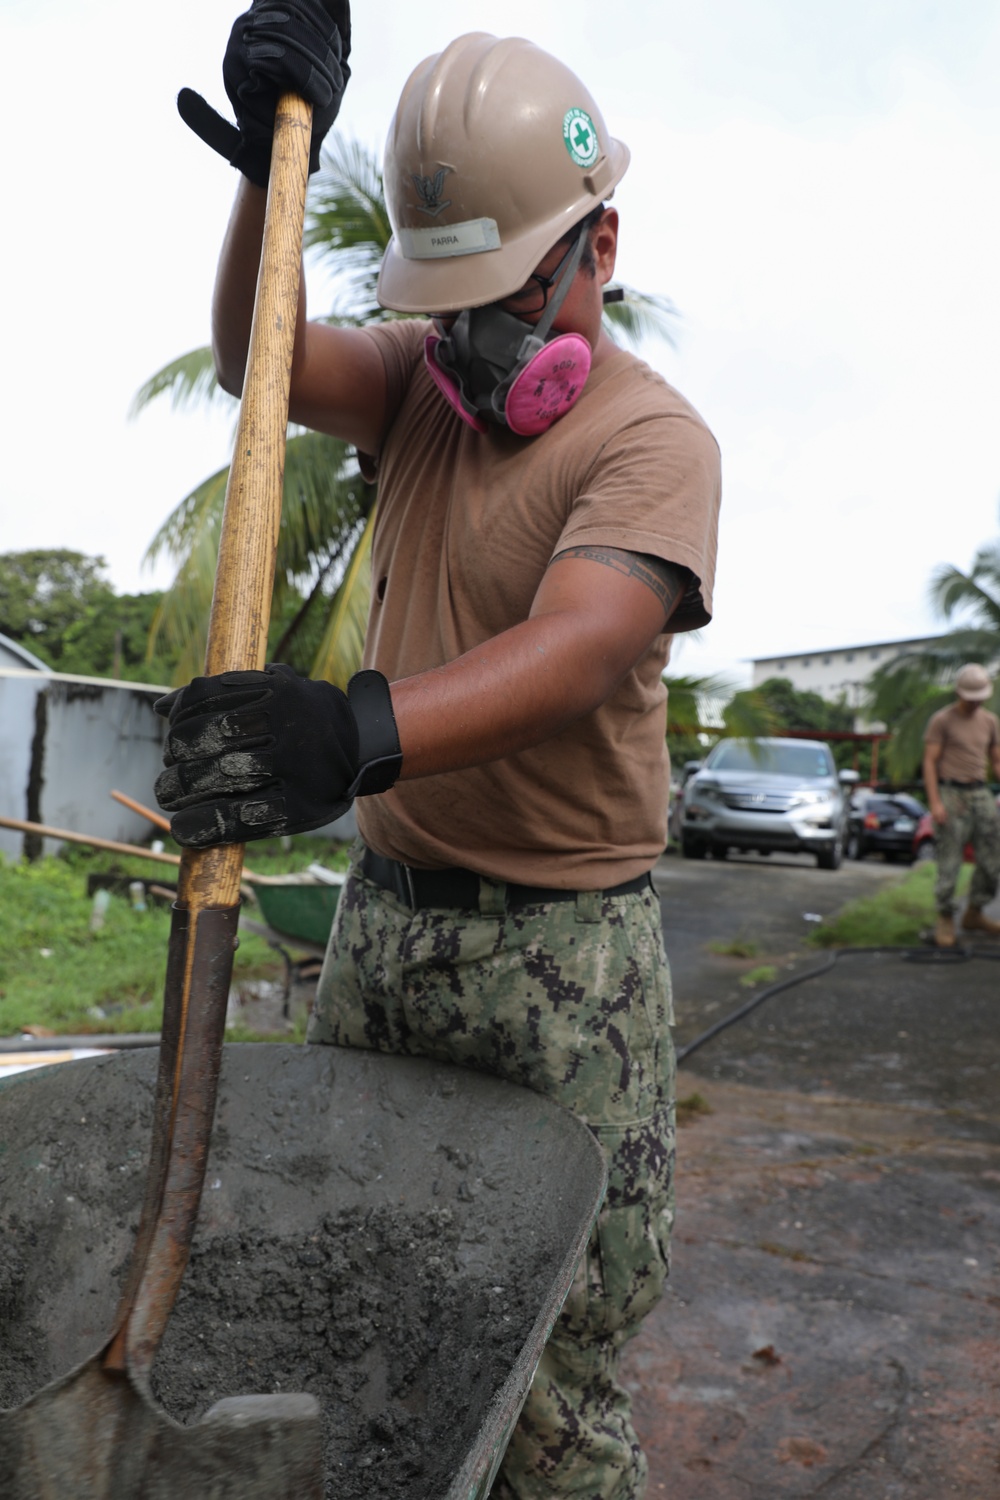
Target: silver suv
767	795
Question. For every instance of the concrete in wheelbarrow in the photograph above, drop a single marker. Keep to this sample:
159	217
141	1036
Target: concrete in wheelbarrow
833	1321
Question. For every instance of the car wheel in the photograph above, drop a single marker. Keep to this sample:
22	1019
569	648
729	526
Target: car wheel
692	848
720	851
830	859
926	850
855	848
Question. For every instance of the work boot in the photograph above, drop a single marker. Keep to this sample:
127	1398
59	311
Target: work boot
944	931
974	921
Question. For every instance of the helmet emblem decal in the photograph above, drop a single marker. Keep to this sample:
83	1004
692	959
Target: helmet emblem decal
429	191
580	135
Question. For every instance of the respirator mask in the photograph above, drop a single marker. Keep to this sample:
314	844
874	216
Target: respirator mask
491	366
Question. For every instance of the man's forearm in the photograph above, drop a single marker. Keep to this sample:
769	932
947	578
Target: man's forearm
513	692
591	622
930	779
236	287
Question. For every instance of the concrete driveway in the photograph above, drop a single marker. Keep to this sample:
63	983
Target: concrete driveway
833	1323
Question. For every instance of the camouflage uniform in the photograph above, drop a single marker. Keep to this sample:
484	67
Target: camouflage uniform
972	814
572	999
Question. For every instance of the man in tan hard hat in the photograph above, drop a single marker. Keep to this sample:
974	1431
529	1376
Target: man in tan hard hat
961	742
547	518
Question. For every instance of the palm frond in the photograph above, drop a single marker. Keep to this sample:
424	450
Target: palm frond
187	522
977	592
699	703
749	716
347	224
189	382
340	652
181	620
641	315
324	498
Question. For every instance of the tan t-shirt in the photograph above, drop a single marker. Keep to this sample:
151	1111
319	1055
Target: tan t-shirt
467	524
965	740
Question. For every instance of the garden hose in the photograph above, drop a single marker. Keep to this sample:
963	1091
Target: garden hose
927	955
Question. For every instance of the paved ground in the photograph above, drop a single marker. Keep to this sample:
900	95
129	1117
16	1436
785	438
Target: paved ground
833	1323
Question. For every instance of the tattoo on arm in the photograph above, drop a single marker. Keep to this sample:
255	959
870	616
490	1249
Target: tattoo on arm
667	581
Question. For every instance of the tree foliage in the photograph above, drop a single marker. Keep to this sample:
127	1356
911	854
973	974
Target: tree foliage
788	709
60	605
791	708
700	710
42	593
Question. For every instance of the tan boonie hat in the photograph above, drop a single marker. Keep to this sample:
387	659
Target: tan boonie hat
973	683
496	151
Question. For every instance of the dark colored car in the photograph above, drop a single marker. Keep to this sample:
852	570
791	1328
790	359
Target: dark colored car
884	823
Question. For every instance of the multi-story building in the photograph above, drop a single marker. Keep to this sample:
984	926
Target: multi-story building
836	672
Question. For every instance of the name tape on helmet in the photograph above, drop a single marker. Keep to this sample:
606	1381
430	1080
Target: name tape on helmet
469	238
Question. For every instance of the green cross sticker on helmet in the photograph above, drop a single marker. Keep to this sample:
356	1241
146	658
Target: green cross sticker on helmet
580	136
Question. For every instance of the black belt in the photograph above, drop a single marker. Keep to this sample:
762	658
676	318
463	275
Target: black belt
969	785
460	888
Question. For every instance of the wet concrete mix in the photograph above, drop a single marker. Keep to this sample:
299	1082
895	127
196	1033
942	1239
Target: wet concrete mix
370	1313
372	1316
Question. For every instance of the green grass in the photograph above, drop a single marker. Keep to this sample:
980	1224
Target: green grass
58	974
735	947
763	974
896	916
691	1106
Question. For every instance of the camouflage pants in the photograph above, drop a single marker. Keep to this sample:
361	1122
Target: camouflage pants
972	815
572	999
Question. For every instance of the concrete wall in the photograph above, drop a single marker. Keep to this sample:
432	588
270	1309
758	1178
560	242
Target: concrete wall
65	742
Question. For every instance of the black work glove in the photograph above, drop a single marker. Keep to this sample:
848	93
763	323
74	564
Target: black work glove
251	755
277	47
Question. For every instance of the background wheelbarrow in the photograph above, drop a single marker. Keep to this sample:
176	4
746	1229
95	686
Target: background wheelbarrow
392	1236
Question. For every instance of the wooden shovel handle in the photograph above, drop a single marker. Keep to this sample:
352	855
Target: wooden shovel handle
203	938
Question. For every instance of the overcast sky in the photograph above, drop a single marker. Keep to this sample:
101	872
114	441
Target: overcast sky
814	183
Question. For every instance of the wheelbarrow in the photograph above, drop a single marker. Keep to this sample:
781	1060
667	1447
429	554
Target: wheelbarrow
387	1237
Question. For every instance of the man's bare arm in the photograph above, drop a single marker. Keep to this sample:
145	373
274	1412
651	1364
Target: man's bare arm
932	754
665	579
593	618
338	379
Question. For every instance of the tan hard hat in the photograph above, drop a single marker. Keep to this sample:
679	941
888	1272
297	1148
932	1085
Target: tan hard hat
973	683
495	151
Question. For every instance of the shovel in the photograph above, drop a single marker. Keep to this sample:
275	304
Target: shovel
96	1434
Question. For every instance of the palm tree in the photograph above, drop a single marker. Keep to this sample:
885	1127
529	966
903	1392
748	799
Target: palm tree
907	690
325	540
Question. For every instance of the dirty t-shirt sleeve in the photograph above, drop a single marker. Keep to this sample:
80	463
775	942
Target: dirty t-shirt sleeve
401	345
656	487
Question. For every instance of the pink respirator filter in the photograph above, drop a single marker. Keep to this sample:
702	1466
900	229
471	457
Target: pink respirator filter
540	394
548	385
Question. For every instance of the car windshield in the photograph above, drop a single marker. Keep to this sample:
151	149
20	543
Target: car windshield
780	760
